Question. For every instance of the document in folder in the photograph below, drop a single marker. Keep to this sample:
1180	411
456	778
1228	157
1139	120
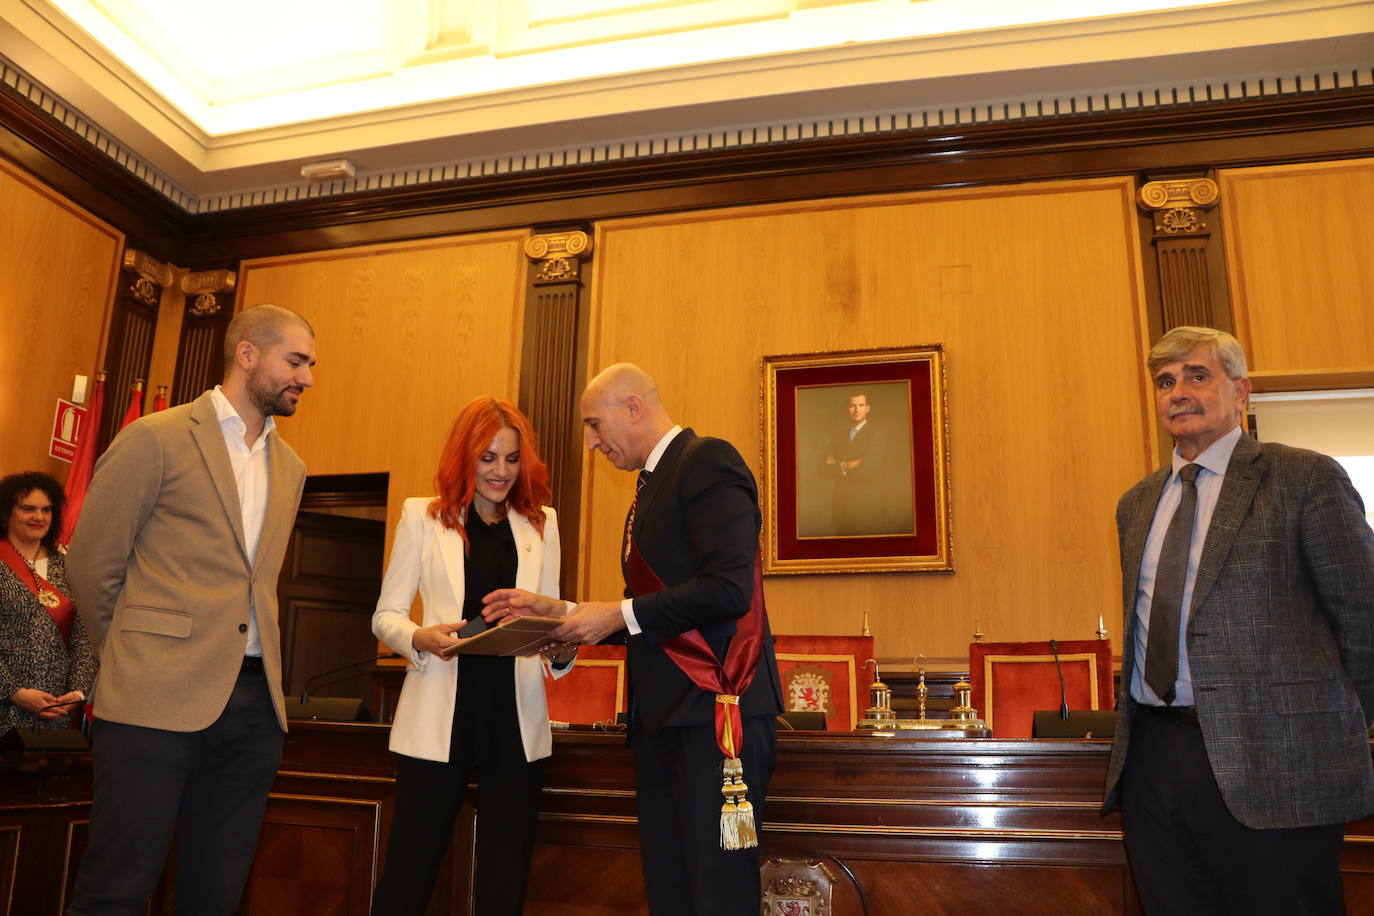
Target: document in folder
513	636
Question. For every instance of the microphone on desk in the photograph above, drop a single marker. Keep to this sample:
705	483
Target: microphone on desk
1063	694
305	688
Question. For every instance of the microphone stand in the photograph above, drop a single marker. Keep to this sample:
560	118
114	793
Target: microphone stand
305	688
1063	694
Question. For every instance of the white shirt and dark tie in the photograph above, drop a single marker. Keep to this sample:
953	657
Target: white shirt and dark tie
627	605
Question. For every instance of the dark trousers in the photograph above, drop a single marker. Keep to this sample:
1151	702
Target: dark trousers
485	738
1190	856
678	783
208	788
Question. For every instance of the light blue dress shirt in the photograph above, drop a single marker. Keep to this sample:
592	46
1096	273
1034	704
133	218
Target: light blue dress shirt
1213	462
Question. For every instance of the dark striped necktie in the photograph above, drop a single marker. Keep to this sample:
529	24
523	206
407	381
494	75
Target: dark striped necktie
630	519
1166	605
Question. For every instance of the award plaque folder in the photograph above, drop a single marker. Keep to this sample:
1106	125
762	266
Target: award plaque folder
512	636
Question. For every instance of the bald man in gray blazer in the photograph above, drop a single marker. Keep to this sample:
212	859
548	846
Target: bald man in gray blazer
174	565
1241	743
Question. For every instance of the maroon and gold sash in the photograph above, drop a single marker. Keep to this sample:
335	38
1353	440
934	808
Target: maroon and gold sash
691	653
58	605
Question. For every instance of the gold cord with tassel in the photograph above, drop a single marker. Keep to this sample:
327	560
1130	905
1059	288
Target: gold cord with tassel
737	829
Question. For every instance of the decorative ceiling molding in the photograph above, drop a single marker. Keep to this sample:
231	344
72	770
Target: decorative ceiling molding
54	107
474	84
923	120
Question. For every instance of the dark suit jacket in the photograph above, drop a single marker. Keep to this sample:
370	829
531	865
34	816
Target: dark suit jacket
858	497
1280	637
697	526
868	446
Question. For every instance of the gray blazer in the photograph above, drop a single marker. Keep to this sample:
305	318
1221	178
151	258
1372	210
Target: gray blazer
161	572
32	652
1280	637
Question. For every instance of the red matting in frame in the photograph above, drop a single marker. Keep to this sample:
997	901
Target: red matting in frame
927	548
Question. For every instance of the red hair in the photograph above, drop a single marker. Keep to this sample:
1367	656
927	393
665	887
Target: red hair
471	435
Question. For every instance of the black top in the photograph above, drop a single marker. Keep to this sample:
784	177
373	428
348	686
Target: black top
490	563
485	681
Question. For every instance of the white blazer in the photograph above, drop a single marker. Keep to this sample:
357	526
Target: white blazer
429	557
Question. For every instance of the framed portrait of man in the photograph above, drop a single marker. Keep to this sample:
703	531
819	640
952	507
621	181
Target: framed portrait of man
855	461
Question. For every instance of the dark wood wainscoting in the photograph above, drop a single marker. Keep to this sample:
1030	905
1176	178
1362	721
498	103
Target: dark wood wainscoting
904	826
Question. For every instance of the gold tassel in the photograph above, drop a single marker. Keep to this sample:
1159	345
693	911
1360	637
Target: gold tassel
737	830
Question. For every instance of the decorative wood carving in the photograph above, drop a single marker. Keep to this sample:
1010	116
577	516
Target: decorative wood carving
792	886
209	302
1180	205
559	254
147	267
212	281
550	376
133	322
1187	257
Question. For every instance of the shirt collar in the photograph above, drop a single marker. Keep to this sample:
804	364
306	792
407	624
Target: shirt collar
1214	458
656	454
228	416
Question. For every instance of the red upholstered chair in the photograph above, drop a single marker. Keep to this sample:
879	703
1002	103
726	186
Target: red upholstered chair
827	674
594	691
1011	680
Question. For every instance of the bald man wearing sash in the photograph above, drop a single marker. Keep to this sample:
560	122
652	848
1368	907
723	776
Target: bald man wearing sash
704	689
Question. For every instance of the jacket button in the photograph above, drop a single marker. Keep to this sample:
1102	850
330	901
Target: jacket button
243	628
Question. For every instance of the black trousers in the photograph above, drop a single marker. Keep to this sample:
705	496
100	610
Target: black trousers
485	738
1190	856
678	782
209	788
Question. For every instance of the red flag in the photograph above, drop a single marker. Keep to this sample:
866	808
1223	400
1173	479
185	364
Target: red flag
160	402
83	462
135	404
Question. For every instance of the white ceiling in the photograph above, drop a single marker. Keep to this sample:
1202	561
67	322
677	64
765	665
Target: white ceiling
224	97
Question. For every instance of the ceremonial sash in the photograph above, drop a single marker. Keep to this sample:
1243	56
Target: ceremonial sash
691	653
58	605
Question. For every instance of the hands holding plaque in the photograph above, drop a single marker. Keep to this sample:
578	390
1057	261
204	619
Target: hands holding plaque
586	624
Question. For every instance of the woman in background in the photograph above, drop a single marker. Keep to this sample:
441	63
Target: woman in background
487	529
45	657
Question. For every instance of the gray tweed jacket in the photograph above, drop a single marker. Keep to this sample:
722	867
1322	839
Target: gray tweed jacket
32	653
1280	637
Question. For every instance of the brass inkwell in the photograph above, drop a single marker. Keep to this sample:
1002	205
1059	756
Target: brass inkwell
882	722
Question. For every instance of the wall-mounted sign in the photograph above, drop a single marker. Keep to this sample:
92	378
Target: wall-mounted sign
67	424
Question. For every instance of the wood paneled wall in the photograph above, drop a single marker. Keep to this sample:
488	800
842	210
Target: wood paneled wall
1298	245
58	266
1036	292
406	335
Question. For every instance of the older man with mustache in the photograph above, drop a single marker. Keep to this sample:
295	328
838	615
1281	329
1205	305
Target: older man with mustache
1248	663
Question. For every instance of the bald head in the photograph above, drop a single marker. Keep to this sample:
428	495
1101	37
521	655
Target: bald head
263	326
623	416
623	380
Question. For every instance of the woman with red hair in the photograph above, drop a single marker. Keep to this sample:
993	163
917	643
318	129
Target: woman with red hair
488	528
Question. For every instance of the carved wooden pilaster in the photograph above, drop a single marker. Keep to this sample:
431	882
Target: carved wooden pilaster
552	367
209	305
133	321
1187	250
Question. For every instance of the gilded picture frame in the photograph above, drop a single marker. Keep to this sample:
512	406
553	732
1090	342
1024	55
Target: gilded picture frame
856	462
